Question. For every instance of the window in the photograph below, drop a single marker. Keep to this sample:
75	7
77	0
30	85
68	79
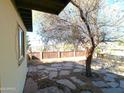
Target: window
21	47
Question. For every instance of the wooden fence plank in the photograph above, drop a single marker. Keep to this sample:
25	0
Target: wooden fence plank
58	54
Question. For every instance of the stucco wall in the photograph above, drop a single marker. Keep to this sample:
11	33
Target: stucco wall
12	76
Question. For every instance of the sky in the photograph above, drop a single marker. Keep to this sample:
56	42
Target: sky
114	11
115	6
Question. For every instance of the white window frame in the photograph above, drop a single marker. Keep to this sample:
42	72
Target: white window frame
21	45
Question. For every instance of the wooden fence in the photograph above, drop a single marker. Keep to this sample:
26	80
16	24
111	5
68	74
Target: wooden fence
60	54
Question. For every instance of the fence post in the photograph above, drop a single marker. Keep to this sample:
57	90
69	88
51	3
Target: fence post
58	54
74	53
41	57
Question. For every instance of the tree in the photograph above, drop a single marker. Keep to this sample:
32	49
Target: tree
88	14
88	28
88	10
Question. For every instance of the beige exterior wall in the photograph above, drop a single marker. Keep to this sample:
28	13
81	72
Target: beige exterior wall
12	76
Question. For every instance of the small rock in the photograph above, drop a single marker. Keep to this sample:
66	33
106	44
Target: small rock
53	75
67	83
64	72
122	83
78	81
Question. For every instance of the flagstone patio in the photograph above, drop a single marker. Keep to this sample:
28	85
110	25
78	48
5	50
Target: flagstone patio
68	77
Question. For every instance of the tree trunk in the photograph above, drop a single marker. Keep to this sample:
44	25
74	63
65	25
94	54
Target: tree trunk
88	61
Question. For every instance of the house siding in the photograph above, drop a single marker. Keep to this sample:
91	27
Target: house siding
12	75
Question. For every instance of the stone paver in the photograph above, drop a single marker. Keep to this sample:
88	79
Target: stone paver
108	78
59	68
111	75
103	71
110	83
68	64
67	83
77	70
64	72
32	69
122	83
113	84
41	73
51	69
52	89
53	75
100	84
56	65
40	67
113	90
79	67
67	67
66	90
46	71
86	91
30	86
78	81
